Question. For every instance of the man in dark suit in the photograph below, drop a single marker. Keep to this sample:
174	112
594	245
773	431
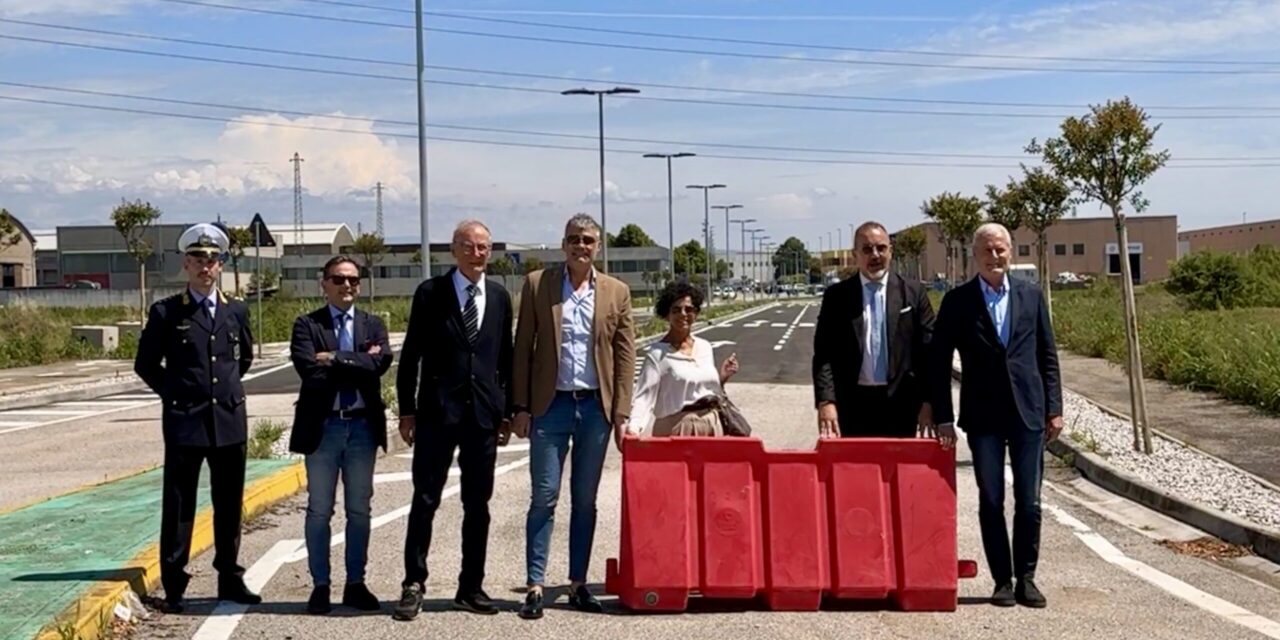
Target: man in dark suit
192	352
455	373
869	348
1010	399
341	354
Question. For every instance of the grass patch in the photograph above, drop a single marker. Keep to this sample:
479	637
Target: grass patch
265	434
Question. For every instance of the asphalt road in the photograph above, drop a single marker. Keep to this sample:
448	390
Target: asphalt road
1104	576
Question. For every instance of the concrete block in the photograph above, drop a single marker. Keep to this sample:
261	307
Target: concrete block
129	328
105	338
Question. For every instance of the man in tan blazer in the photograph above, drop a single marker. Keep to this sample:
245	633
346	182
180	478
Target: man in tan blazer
573	377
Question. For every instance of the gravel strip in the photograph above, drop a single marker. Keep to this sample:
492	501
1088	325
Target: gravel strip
1185	472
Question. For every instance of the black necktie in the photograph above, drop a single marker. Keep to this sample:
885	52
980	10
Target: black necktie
471	315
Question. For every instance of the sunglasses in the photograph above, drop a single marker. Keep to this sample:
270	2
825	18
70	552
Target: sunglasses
584	240
347	280
872	249
685	309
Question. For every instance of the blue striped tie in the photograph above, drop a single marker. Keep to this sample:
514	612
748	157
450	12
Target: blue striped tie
347	396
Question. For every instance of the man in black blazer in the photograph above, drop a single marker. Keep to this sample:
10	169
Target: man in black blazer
1010	398
192	353
869	348
341	354
455	373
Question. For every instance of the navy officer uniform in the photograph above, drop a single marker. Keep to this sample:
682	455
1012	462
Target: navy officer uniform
192	353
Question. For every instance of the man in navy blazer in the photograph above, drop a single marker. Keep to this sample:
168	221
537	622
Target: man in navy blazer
1010	398
341	353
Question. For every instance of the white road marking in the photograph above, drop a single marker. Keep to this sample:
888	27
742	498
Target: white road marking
16	424
55	374
806	325
778	324
95	404
45	412
1173	586
224	619
787	334
151	400
720	343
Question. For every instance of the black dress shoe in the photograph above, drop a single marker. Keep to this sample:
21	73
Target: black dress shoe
168	605
1003	595
532	609
410	603
235	590
476	602
318	604
582	600
1029	596
357	596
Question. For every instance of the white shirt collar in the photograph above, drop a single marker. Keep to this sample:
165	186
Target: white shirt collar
866	281
460	282
199	298
335	312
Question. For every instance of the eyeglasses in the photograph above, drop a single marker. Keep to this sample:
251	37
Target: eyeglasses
582	239
872	249
347	280
685	309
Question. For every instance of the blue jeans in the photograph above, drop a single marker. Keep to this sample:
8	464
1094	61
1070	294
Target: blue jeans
347	448
583	422
1026	460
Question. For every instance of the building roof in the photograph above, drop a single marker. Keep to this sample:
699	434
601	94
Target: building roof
1227	227
329	233
45	239
22	228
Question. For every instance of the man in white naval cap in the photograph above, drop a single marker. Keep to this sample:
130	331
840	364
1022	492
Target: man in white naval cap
192	353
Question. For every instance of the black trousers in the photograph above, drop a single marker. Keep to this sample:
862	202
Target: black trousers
871	413
432	456
178	512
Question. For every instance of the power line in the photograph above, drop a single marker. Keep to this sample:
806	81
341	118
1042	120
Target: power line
680	87
524	132
792	45
729	54
675	100
188	116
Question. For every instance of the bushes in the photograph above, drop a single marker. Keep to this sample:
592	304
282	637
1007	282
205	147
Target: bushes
1208	280
1233	352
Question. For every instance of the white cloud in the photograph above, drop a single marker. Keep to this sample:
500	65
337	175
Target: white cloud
822	192
615	195
787	205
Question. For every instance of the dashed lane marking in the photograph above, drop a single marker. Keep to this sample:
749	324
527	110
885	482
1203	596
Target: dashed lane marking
787	334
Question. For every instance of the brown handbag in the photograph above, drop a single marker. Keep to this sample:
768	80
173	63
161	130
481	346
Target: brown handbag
732	421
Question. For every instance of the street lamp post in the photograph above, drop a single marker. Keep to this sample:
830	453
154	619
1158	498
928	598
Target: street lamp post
742	237
671	225
726	208
706	228
600	94
755	265
764	250
422	149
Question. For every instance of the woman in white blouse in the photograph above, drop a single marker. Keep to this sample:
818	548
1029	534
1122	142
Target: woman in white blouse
678	371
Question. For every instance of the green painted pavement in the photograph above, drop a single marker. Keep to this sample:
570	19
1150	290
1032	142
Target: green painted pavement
52	552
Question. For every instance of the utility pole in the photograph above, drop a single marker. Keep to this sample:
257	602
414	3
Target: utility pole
297	200
726	208
604	222
377	216
425	238
671	222
742	249
706	226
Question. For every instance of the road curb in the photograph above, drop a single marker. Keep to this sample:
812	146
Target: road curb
95	609
1263	541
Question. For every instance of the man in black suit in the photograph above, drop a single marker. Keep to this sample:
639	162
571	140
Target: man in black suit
453	387
192	352
341	354
869	348
1010	398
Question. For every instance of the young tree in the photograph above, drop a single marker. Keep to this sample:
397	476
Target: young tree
371	248
132	220
792	252
958	216
1045	198
631	235
910	244
533	264
241	239
502	267
691	258
9	232
1005	206
1105	156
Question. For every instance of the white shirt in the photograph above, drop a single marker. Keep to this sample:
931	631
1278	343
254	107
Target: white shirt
867	375
670	380
335	313
460	284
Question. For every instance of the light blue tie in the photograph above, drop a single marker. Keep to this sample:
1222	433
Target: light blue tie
347	396
877	335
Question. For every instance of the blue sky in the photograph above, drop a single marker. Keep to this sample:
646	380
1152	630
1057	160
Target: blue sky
62	165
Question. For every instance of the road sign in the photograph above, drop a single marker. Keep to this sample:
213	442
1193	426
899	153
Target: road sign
259	232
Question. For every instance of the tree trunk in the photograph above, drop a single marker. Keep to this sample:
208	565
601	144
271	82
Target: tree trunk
1137	388
235	268
1042	264
142	293
372	284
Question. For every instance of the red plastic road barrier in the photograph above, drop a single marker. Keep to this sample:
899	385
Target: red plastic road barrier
864	519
